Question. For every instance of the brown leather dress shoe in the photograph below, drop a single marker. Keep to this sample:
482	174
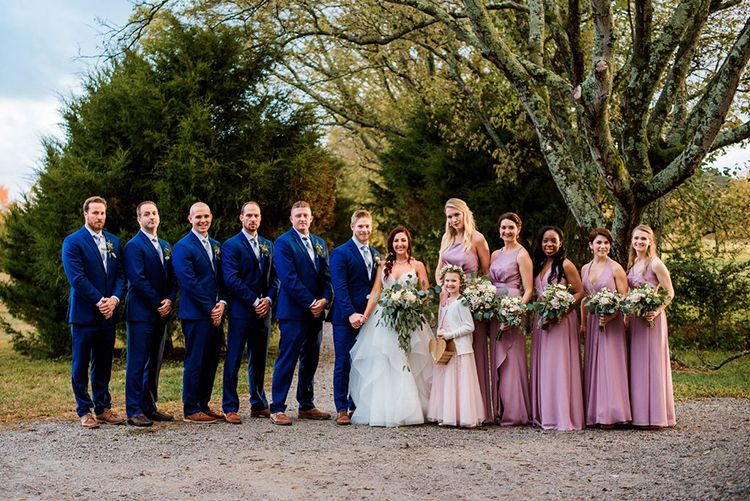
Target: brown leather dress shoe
232	418
160	416
88	421
139	420
108	416
313	414
266	413
281	419
215	415
343	418
199	417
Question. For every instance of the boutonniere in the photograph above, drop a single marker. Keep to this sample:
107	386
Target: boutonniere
263	250
111	250
167	253
217	251
319	250
376	260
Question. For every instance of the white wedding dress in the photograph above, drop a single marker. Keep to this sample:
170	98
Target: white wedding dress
388	387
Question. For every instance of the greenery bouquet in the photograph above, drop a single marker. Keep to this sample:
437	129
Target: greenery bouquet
605	302
554	301
644	299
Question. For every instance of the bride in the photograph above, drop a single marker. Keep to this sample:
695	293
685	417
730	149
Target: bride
390	388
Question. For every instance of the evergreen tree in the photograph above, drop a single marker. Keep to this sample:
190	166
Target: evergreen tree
187	115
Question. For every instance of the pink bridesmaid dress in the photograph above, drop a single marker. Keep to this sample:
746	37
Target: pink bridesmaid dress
509	375
605	361
556	388
651	398
469	262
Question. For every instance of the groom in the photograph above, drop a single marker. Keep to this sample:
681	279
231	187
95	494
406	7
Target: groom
305	289
353	268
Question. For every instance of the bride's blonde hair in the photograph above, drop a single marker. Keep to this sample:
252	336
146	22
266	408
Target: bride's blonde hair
450	232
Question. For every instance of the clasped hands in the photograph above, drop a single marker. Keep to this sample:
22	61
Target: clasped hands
318	306
217	313
107	306
357	320
264	306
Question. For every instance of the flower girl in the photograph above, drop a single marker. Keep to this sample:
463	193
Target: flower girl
456	399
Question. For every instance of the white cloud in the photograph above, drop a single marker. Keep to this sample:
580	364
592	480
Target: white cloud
23	124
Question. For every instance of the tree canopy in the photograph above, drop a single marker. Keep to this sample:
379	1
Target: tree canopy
183	116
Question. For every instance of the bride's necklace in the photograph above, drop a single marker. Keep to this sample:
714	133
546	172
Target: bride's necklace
402	262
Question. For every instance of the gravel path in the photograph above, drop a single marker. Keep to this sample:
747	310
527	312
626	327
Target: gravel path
706	456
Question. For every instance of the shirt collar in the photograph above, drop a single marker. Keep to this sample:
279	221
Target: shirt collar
309	236
92	232
361	246
150	238
250	237
200	237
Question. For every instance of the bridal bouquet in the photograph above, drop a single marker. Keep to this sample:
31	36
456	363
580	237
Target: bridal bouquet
644	299
510	311
481	298
554	301
404	309
605	302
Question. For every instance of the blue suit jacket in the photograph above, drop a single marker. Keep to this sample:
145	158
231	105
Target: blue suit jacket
245	278
88	280
300	283
351	284
201	287
149	281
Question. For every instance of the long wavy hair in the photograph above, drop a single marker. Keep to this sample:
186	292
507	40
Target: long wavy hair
469	226
390	258
556	271
650	252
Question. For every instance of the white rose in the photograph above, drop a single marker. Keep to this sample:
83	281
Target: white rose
555	303
410	297
396	296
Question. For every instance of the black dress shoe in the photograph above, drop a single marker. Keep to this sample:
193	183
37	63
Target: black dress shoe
139	420
160	416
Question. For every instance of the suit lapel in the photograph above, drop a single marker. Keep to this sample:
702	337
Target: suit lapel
147	242
354	250
92	246
302	247
203	251
249	248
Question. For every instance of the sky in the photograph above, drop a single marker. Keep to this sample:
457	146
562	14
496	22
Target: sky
41	44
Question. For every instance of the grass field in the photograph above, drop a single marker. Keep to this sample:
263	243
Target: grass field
33	390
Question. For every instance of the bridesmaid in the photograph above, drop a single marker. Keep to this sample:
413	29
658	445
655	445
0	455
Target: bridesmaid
556	393
462	245
511	270
651	399
605	360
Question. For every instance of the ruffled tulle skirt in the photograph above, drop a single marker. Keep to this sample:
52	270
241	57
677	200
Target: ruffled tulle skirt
388	387
456	398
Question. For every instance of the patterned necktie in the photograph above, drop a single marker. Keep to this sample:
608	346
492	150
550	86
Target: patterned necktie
310	251
158	248
368	259
207	246
254	245
101	244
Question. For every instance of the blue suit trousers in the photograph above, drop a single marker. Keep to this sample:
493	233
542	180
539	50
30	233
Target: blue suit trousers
251	334
92	344
344	337
299	340
202	347
145	351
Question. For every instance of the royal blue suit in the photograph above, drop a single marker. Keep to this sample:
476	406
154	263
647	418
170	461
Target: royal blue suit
201	287
351	285
247	280
149	282
93	335
302	282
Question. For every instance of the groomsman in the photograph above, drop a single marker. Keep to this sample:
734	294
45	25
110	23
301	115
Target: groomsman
152	288
353	268
305	289
251	282
196	265
92	260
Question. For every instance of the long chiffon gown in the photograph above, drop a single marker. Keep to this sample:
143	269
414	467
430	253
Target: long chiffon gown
605	361
556	387
388	387
651	398
509	375
469	263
